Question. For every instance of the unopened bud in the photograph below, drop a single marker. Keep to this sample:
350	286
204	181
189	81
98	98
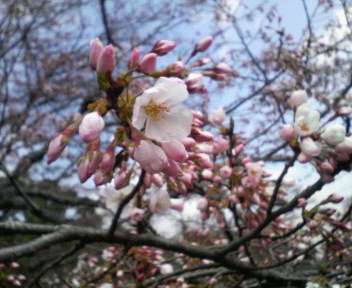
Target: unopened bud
91	126
333	198
96	48
203	44
176	68
201	135
162	47
222	68
287	133
106	62
56	146
297	98
134	57
147	64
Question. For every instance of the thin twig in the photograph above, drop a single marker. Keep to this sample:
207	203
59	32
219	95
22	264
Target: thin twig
124	202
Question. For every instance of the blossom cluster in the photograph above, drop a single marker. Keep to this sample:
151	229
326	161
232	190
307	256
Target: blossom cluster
175	151
328	144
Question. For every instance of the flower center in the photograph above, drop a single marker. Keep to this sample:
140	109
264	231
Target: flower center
252	172
304	127
154	110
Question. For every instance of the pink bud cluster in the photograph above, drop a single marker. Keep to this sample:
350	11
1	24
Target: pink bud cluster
101	59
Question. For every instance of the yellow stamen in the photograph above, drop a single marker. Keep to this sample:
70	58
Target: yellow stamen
153	110
304	127
252	172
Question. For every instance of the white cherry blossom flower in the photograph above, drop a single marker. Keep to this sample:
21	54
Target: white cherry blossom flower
156	110
334	134
306	121
297	98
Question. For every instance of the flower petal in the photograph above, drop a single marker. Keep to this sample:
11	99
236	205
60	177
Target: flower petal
176	125
171	92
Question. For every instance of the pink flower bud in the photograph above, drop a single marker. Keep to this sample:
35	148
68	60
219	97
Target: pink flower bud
134	57
333	198
159	202
202	204
157	180
345	146
162	47
91	127
309	147
217	116
172	168
100	178
203	44
297	98
194	81
120	179
106	62
201	135
56	146
108	161
225	172
326	167
175	150
205	148
176	69
189	143
222	68
147	64
177	204
186	178
204	160
151	157
218	77
222	145
88	164
96	48
137	214
287	133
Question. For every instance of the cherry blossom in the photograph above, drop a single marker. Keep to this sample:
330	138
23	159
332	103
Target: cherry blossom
151	157
334	134
91	127
159	202
155	109
306	121
297	98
